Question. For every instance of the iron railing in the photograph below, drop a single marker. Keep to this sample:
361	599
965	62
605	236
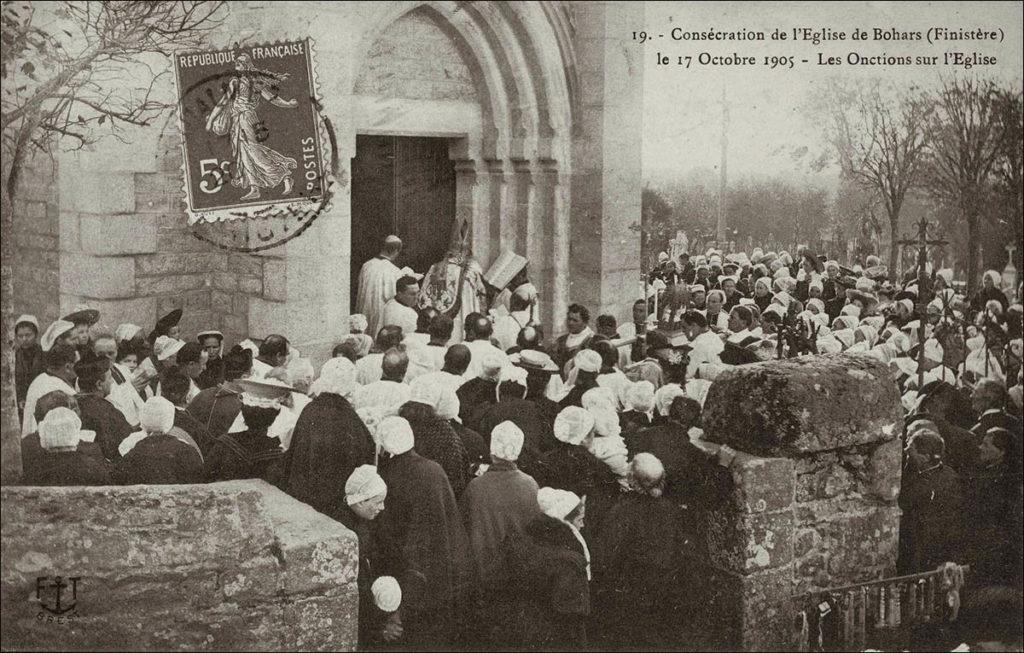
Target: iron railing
869	611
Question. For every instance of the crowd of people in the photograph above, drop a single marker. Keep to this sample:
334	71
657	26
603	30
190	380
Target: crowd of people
512	490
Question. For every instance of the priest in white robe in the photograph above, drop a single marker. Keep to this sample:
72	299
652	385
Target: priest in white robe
522	315
377	280
399	311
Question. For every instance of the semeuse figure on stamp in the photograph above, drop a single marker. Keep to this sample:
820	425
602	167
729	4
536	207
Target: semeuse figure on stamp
255	165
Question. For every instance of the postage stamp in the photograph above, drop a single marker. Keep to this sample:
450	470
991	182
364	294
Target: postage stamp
251	132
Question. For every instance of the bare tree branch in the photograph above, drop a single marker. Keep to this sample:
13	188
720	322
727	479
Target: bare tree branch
878	139
65	78
966	142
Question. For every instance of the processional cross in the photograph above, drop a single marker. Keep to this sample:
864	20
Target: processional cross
922	242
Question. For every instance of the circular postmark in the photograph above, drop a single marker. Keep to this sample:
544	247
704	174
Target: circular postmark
259	155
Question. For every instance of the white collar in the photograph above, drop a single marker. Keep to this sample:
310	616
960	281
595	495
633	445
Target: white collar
129	442
707	335
583	543
576	339
739	336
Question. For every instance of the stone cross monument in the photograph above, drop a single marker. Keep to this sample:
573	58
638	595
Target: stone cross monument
1010	272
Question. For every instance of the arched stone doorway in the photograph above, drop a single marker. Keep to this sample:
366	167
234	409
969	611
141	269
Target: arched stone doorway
491	79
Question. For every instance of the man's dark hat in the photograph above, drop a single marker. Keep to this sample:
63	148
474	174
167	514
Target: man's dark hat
90	361
657	340
88	316
903	294
868	299
819	265
169	320
164	324
238	360
847	281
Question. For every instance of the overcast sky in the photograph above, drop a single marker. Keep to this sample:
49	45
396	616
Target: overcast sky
683	109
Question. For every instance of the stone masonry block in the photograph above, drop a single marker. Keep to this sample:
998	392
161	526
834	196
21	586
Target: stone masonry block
765	614
38	242
235	327
179	240
845	547
762	484
112	235
883	469
744	613
98	191
220	301
106	277
176	263
245	264
136	310
749	544
195	321
237	565
807	404
275	280
30	216
252	286
69	232
170	284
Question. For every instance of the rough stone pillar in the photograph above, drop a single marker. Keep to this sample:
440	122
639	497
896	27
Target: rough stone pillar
225	566
604	250
106	221
10	433
809	502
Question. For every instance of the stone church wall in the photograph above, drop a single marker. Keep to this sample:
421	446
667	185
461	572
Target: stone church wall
414	59
226	566
35	230
127	250
541	103
809	501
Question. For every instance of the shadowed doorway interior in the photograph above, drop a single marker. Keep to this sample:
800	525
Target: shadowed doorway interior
403	185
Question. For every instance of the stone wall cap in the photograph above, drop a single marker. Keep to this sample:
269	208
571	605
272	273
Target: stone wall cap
803	405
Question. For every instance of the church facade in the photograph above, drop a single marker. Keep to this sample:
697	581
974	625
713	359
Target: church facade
523	118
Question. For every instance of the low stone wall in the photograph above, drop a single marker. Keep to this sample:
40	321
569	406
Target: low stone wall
810	499
226	566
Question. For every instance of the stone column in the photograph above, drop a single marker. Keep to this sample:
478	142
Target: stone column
113	202
809	502
606	168
10	433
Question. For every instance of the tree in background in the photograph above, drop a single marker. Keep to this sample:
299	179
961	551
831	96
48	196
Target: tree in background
64	68
764	211
657	225
1009	176
966	142
878	136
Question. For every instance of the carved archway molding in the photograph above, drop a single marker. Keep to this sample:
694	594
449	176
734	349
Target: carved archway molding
513	166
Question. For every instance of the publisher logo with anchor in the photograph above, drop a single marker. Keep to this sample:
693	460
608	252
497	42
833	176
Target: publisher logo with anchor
57	597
